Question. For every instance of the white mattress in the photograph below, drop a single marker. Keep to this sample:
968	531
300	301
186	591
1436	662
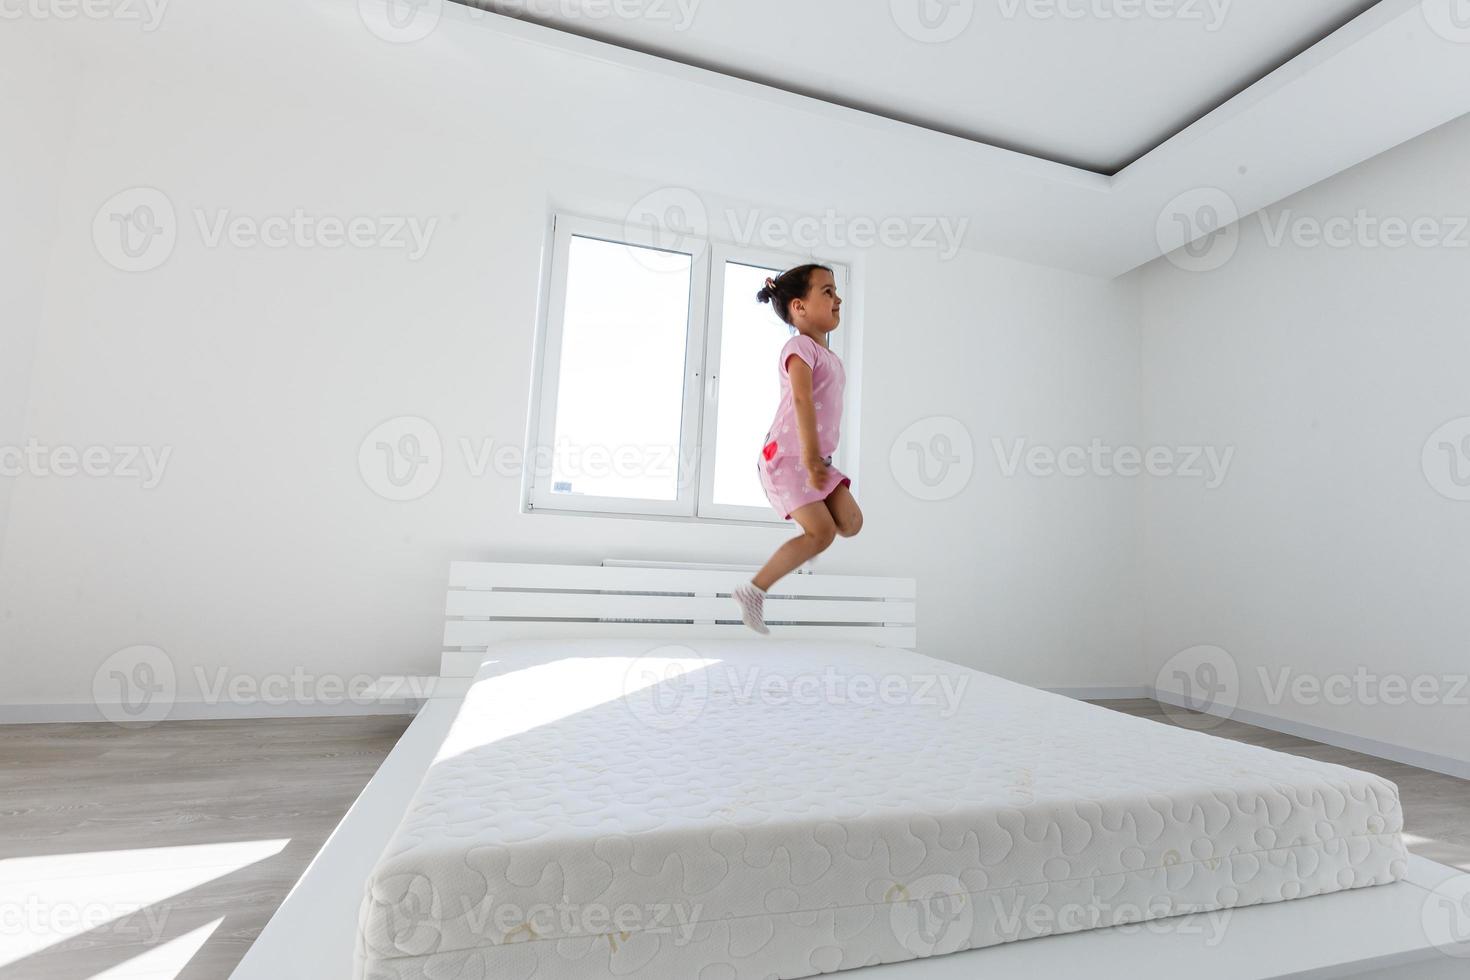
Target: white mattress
737	809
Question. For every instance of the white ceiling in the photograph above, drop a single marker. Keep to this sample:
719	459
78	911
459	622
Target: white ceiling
1094	84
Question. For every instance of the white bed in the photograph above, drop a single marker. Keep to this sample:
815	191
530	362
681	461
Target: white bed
837	810
729	808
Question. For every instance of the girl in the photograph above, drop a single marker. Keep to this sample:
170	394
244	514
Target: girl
796	462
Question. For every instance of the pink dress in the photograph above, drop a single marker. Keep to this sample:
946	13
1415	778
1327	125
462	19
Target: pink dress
783	475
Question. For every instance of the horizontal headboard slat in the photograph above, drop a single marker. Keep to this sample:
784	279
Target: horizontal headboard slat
493	601
588	605
605	578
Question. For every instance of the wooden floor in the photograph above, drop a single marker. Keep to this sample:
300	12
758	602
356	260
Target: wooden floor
222	793
251	785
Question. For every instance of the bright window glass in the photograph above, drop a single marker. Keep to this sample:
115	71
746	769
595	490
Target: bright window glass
620	391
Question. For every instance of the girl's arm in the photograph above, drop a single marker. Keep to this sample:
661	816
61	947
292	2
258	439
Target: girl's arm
800	373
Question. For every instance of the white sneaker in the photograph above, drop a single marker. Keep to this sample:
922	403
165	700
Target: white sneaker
751	599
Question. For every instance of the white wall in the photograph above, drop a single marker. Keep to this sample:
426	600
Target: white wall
1328	549
35	146
261	370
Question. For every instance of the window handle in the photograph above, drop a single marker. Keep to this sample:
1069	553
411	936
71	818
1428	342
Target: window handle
712	387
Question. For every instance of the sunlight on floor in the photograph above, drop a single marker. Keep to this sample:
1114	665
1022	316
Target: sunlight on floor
54	897
162	962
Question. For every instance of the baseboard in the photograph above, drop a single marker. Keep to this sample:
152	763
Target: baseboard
86	711
1459	768
1102	693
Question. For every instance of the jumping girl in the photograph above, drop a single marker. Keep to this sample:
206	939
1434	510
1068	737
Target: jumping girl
796	461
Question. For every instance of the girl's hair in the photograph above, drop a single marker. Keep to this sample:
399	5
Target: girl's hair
789	285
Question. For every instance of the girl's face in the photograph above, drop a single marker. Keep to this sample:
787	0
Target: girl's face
821	308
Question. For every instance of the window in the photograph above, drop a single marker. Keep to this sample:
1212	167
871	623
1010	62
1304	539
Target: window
658	376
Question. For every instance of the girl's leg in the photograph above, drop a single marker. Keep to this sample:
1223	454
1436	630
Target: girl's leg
846	513
820	530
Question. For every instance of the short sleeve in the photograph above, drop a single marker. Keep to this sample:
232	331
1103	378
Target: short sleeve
803	347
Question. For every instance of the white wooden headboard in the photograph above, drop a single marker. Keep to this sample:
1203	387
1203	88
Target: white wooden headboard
491	601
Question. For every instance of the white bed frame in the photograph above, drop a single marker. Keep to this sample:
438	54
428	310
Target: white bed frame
1373	932
489	602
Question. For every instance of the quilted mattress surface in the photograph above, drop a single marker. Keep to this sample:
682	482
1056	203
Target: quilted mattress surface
730	809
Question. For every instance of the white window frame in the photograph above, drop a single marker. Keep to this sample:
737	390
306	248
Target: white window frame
695	501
